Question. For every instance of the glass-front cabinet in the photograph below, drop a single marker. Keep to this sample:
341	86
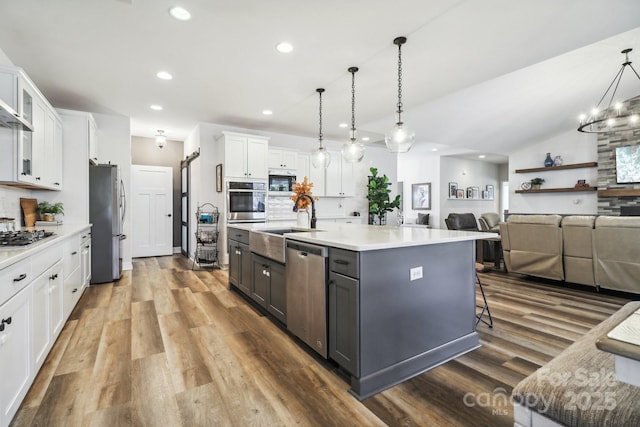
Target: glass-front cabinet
33	158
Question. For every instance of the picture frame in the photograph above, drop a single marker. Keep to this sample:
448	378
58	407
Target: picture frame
421	196
453	190
490	190
485	195
473	192
219	177
460	194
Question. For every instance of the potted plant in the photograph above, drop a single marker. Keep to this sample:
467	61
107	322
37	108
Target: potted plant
378	196
536	183
48	211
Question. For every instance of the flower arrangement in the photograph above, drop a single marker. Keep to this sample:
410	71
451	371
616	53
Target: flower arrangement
303	187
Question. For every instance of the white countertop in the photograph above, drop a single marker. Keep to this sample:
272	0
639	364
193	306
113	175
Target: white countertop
357	237
10	255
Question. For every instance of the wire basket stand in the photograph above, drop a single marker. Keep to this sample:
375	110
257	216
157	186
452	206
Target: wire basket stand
206	255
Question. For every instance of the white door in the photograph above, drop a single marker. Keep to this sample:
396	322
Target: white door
152	210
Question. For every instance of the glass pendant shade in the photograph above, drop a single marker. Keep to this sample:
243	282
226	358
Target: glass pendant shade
320	158
161	139
352	151
399	139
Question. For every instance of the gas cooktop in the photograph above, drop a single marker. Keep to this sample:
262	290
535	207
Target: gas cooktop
22	238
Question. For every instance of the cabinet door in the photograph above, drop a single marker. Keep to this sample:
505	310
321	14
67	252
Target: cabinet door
93	141
85	258
72	291
39	162
260	281
56	300
235	157
275	159
14	353
343	321
234	263
277	292
302	169
289	159
257	153
316	176
56	150
346	178
245	269
40	321
333	176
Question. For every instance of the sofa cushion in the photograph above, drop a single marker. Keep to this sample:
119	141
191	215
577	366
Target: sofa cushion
578	387
462	221
616	253
423	219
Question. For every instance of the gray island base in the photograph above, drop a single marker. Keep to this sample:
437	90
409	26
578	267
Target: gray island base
399	301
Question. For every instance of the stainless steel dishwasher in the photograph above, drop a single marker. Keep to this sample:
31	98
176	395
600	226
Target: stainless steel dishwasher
306	272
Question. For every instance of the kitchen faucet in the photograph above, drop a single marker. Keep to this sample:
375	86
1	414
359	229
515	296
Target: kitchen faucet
313	208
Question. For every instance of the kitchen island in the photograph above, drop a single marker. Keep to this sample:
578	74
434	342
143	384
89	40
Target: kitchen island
400	301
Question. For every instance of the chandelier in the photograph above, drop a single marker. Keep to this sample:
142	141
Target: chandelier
320	157
161	139
616	117
400	138
353	151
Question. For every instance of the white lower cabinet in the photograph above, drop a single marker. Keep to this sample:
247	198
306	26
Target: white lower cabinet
85	257
15	360
47	318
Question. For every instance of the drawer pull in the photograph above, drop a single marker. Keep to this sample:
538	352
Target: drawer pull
87	247
6	321
341	262
74	290
20	278
74	253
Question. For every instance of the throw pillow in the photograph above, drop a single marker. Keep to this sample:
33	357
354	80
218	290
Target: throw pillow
423	219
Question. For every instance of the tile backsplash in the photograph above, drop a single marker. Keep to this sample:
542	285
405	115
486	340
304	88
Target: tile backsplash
10	203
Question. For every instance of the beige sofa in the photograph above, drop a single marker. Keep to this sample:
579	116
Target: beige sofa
599	251
532	244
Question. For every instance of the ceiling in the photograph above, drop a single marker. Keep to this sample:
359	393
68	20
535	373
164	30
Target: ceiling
478	76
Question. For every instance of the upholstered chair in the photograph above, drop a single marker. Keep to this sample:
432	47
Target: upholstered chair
577	238
616	253
489	221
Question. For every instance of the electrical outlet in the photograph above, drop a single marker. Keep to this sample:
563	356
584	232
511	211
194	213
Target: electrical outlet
415	273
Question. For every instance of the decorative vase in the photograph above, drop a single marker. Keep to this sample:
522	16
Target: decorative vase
303	218
48	217
557	161
548	162
536	186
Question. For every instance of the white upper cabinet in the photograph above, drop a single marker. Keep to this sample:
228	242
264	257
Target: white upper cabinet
30	158
282	159
245	156
302	167
338	177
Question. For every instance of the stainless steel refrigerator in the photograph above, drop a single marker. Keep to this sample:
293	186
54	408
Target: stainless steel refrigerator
107	204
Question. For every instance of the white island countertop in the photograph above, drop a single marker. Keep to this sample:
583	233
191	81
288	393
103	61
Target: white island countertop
12	254
358	237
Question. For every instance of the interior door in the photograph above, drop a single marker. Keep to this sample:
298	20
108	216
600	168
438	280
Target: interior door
152	210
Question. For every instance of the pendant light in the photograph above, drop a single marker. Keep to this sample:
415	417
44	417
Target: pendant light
400	138
353	151
161	139
320	157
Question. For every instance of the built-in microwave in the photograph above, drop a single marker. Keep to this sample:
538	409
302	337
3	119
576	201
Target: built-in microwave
281	180
246	201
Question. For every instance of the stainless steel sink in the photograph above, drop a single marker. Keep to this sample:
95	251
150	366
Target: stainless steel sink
270	242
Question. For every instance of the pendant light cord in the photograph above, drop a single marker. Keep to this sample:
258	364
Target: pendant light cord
353	102
399	82
320	116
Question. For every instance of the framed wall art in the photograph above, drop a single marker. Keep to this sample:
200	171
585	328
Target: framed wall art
489	191
453	190
219	177
421	196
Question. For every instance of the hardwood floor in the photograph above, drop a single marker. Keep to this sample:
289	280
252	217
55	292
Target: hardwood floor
167	346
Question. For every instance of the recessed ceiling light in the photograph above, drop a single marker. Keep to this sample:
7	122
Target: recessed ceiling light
481	156
267	112
156	107
434	149
164	75
365	138
343	125
180	13
284	47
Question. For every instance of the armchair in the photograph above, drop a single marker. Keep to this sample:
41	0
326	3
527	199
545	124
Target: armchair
489	221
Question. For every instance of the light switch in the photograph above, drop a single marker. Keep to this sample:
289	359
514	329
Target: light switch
415	273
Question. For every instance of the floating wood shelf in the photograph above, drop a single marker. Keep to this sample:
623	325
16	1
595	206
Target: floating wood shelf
620	192
556	168
557	190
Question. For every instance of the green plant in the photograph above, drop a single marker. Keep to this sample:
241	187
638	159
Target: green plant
378	195
48	208
537	181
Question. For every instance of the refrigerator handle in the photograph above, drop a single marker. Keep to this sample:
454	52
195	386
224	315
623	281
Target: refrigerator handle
123	202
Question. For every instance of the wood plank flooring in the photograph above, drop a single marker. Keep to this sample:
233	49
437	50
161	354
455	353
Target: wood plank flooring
168	346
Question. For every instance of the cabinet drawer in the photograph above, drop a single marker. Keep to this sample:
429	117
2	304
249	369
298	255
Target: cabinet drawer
241	236
72	254
41	261
344	262
13	278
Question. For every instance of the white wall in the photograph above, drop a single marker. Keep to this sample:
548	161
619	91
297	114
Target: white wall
114	146
574	147
468	173
416	167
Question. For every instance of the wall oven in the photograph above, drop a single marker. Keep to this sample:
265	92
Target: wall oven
281	180
246	201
